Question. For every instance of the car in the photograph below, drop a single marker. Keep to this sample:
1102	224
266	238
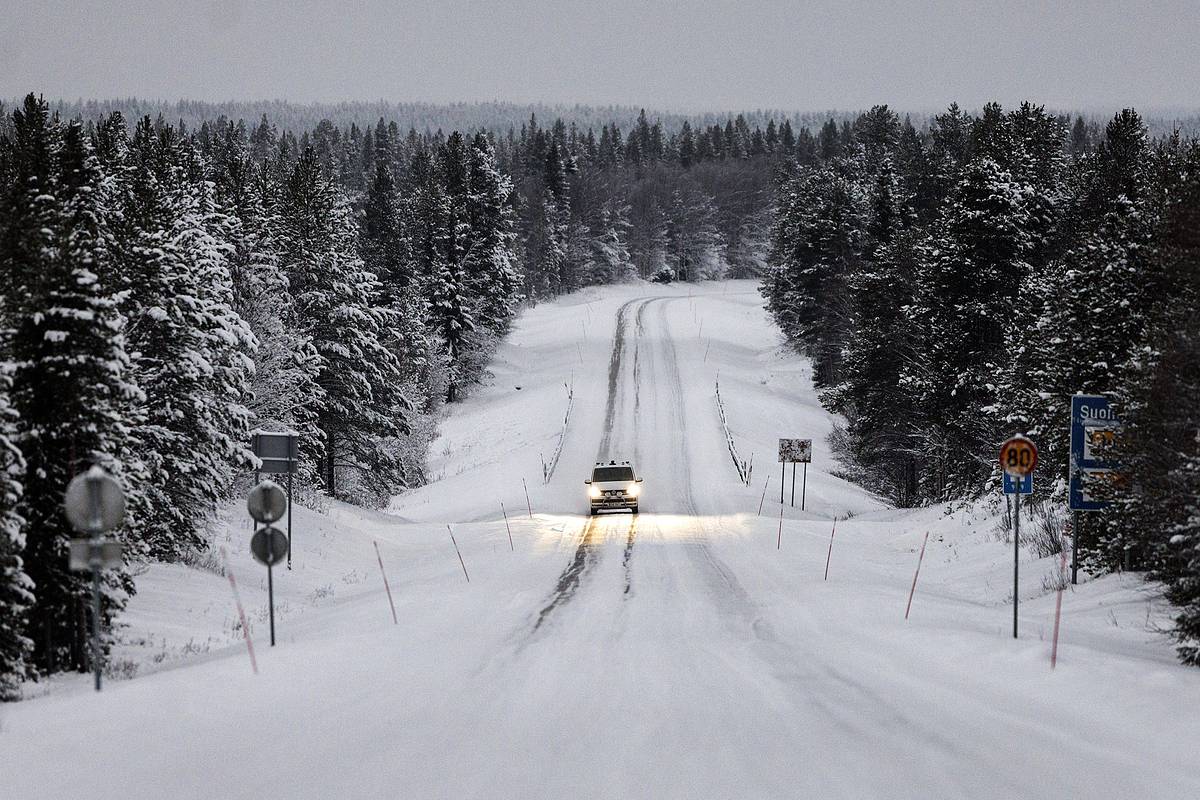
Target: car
613	485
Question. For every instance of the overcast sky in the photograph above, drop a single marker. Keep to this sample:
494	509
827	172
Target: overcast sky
685	56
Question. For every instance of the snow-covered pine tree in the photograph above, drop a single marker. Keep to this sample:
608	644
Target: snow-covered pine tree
492	269
363	409
971	266
192	349
696	248
71	392
283	389
878	408
1155	514
16	589
609	245
815	248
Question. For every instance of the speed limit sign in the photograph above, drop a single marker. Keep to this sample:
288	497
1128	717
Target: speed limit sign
1018	456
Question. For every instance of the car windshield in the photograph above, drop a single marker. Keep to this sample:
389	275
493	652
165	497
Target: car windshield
613	474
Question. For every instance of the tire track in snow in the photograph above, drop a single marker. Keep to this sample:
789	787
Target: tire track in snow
587	552
628	557
568	582
614	378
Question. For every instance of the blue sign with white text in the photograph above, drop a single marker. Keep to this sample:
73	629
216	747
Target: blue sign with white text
1094	425
1018	486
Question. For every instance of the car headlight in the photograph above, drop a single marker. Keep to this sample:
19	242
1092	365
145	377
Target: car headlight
594	492
634	490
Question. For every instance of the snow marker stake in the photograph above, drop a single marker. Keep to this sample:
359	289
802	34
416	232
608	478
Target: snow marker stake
830	553
779	538
460	558
915	574
237	600
528	505
385	583
764	494
1062	580
505	513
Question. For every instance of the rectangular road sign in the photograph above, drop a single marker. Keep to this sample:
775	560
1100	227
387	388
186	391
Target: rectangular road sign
83	550
1011	485
795	450
279	451
1094	425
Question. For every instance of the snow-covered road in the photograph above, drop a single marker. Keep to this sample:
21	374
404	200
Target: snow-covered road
678	653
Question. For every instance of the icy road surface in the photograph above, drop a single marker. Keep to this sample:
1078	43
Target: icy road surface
677	654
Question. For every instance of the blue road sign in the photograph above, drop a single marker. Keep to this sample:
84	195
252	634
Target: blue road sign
1011	485
1093	424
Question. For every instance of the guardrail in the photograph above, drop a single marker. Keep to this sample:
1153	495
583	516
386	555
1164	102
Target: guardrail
745	469
548	467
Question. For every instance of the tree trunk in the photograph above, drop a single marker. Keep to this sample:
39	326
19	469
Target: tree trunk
330	483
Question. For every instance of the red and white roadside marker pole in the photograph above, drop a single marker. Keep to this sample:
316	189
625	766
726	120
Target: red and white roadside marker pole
388	588
829	555
1062	580
460	558
528	505
507	528
237	601
913	589
779	539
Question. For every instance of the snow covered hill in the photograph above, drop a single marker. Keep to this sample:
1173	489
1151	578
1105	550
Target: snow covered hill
693	651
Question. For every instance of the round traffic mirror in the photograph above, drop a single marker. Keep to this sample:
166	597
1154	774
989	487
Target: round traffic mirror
266	502
94	501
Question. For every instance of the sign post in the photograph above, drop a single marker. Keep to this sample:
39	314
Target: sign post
795	451
95	503
266	504
1018	458
279	453
1094	425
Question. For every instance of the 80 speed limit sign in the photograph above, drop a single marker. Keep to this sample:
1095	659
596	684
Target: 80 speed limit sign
1018	456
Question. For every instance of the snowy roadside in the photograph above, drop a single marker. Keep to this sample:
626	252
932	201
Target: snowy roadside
493	440
696	650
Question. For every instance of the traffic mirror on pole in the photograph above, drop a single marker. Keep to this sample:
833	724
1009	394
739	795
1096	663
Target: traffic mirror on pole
94	503
269	546
267	502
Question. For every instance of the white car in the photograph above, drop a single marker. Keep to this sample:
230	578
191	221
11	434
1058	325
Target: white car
613	485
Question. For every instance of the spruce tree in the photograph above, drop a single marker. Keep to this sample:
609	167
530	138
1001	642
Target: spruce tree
193	351
971	267
71	392
16	589
491	261
361	409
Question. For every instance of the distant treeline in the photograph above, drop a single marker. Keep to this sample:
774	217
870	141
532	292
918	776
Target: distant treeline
501	116
957	286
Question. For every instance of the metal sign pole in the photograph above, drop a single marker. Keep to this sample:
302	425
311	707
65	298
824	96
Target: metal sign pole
1016	555
289	520
1074	548
804	486
96	563
793	484
271	585
782	480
